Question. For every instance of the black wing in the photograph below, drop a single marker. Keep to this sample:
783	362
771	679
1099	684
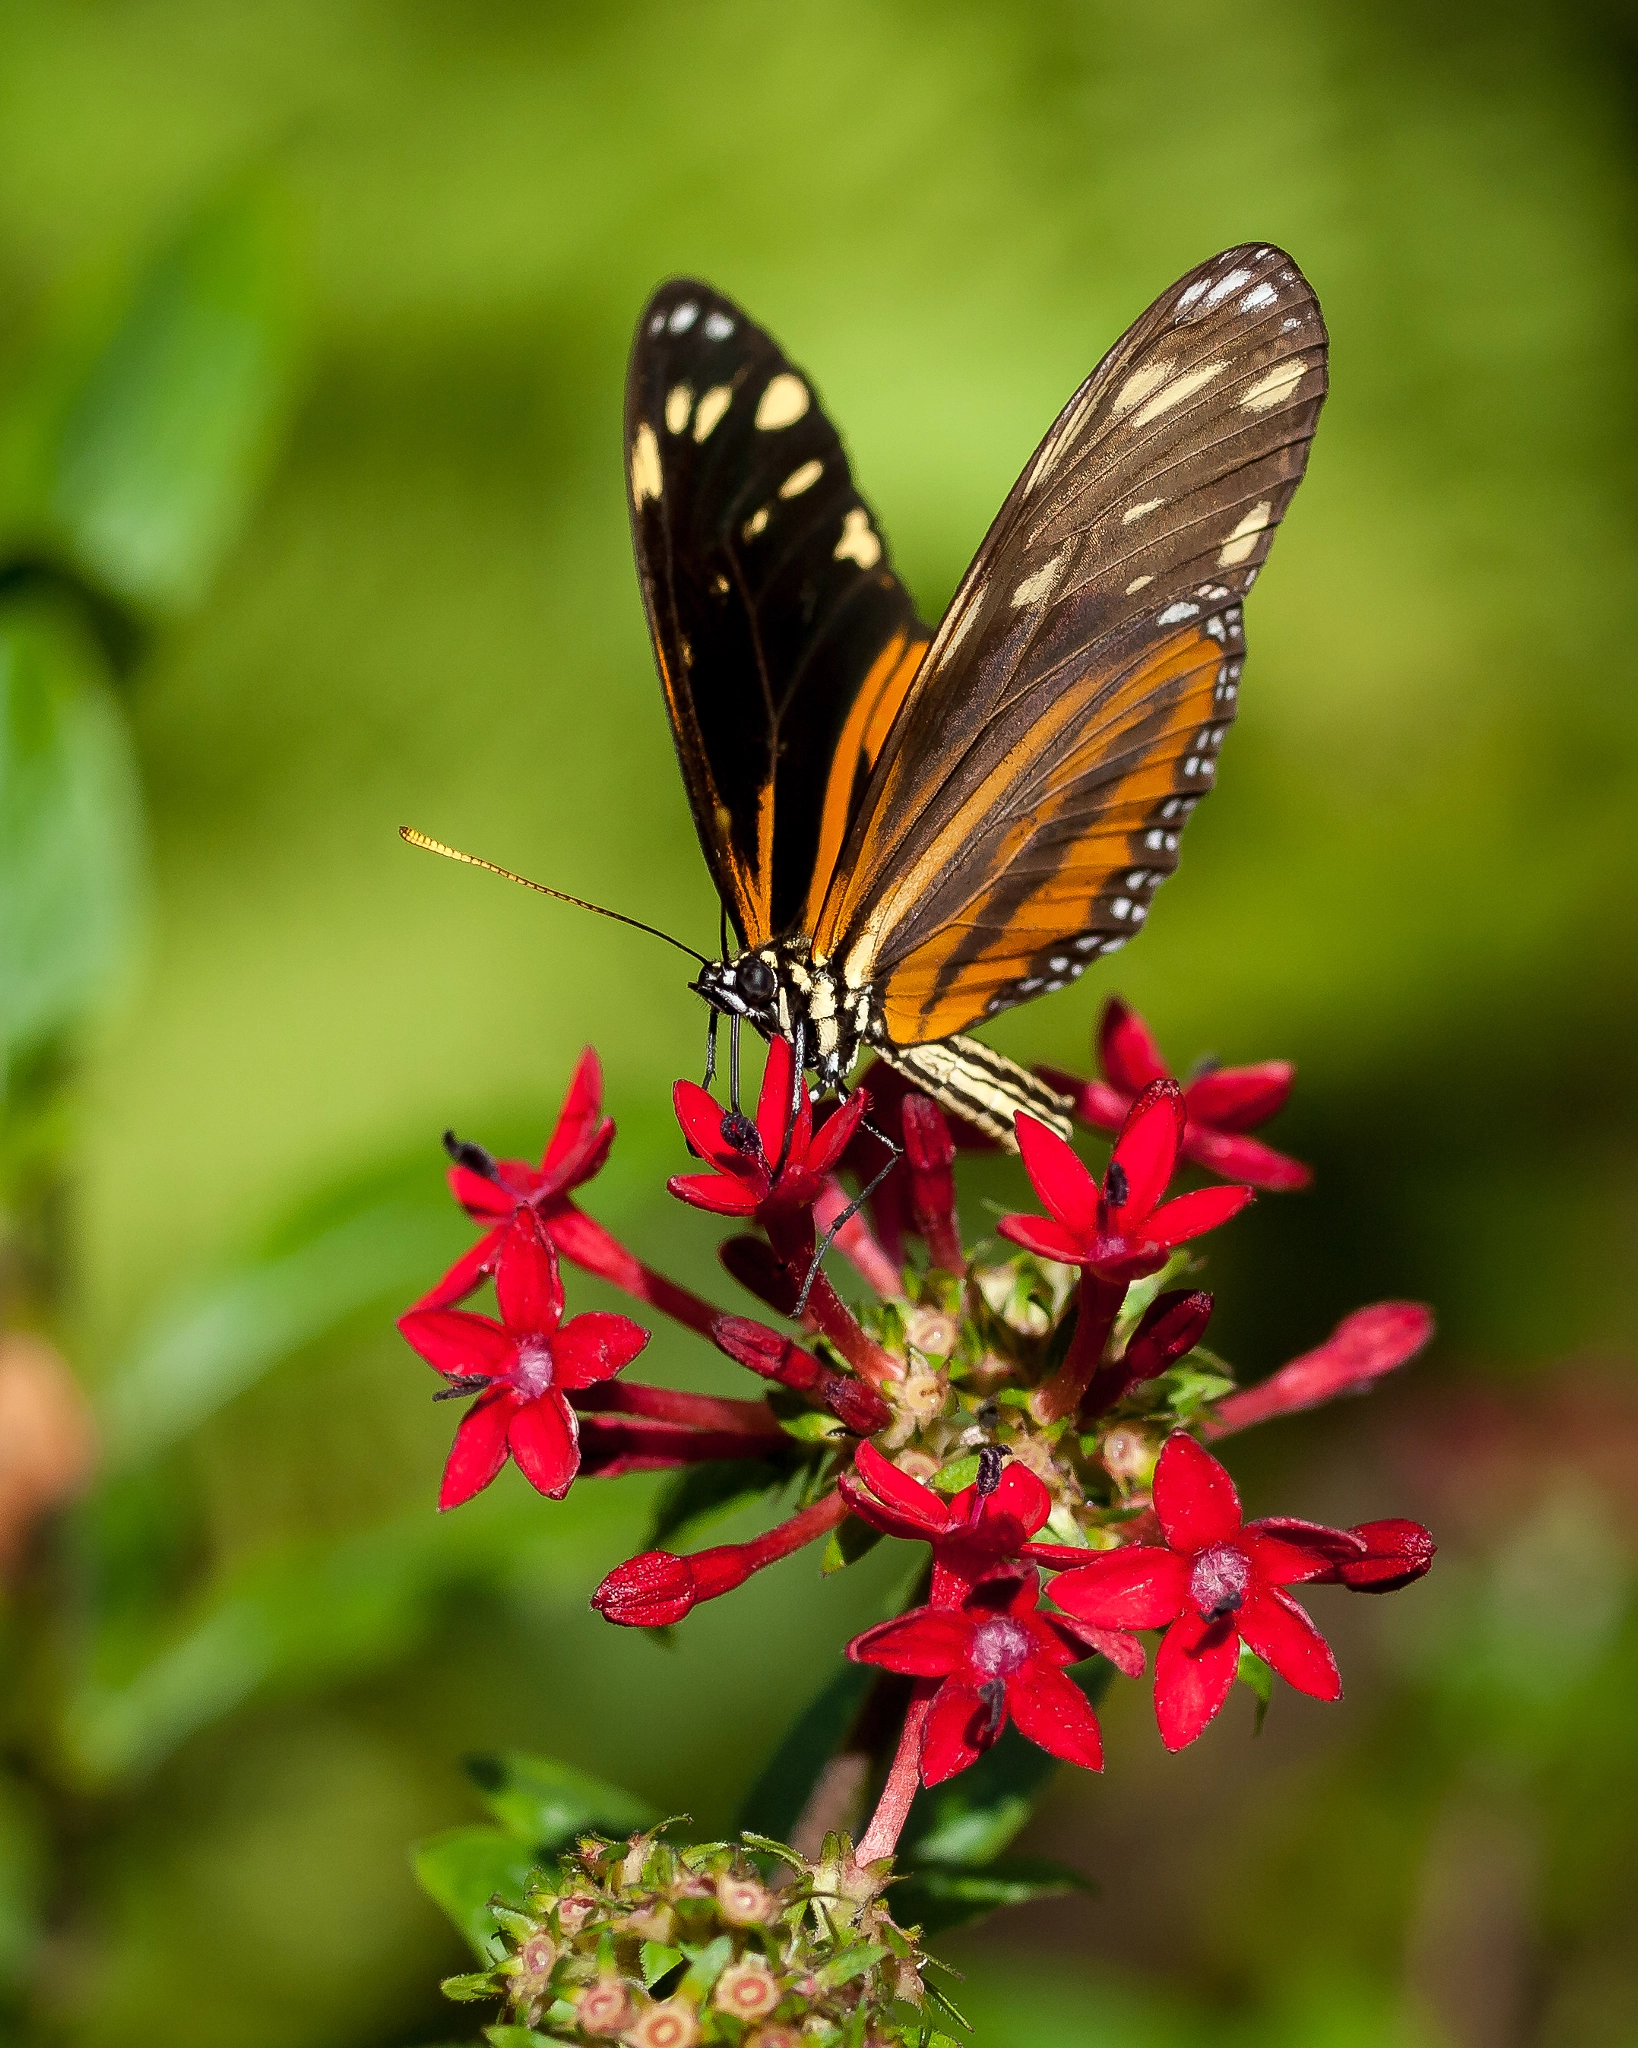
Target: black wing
785	643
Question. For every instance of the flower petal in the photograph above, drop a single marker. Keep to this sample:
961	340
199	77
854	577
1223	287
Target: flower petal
528	1285
1272	1624
1096	1103
1194	1669
1021	1497
1194	1497
1141	1586
1246	1159
1045	1238
837	1135
1286	1552
479	1449
484	1200
773	1108
701	1117
1127	1051
544	1437
581	1139
1146	1151
453	1340
1057	1175
928	1642
1052	1711
595	1346
1081	1637
1240	1098
869	1509
714	1191
1193	1215
917	1503
953	1724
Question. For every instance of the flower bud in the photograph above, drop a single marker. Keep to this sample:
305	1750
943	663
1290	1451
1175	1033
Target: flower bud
647	1591
1398	1552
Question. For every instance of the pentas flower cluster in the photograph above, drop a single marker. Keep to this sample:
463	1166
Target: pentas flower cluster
1033	1411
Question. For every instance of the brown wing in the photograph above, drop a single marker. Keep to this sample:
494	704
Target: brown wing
784	641
1066	718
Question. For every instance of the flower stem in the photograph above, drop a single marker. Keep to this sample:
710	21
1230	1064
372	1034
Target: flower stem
584	1240
693	1411
881	1838
1100	1303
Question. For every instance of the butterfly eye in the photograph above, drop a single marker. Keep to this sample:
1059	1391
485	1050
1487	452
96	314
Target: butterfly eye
756	980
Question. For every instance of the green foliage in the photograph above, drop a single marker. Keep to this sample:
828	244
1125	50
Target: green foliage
775	1801
695	1496
461	1870
940	1898
545	1802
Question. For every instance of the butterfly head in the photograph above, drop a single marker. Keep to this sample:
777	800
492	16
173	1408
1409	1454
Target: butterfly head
747	987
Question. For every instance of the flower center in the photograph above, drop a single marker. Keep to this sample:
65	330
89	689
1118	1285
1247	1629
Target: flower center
532	1374
999	1647
1218	1581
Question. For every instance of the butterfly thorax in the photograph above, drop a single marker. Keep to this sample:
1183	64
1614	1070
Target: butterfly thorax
784	992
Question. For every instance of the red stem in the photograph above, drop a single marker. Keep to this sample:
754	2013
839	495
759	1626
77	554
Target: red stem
807	1527
692	1411
584	1240
881	1838
1099	1306
792	1239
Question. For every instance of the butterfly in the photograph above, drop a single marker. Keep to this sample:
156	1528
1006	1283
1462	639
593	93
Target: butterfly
912	830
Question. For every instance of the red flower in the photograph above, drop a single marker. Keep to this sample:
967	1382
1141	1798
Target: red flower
526	1365
744	1155
996	1656
1218	1583
1120	1228
1222	1103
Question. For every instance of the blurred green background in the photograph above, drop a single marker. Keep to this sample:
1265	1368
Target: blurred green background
315	323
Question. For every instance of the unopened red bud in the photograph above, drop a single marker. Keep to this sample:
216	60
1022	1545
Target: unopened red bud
1362	1347
1172	1324
754	1265
768	1352
928	1146
1398	1552
647	1591
856	1404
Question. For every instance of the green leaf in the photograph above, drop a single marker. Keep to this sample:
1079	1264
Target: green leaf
461	1870
468	1990
516	2037
971	1819
849	1542
698	1495
70	826
706	1965
160	451
852	1962
775	1802
1253	1672
544	1803
813	1426
958	1475
657	1961
939	1897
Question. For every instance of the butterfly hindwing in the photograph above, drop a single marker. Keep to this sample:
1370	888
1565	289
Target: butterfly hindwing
1066	718
785	643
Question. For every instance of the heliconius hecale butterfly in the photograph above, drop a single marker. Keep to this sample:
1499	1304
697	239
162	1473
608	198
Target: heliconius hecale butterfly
912	830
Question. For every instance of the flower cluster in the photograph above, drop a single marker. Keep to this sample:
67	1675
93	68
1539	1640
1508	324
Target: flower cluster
1034	1411
663	1947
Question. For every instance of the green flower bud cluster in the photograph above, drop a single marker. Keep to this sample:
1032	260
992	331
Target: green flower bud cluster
656	1945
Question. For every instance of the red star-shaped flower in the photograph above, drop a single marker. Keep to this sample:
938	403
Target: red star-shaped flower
1120	1228
771	1166
1222	1103
526	1365
995	1656
1218	1582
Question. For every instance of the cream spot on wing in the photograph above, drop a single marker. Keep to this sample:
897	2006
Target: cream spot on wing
684	317
802	479
965	621
1175	614
1034	588
717	327
754	525
1243	540
1224	285
1140	385
645	465
678	404
1274	385
858	543
1261	295
1137	584
784	401
711	408
1176	391
1141	511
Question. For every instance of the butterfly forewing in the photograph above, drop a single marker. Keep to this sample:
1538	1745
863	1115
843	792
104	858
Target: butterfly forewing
1066	719
784	641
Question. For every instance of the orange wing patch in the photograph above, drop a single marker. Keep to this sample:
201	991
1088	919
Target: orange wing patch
1052	880
882	692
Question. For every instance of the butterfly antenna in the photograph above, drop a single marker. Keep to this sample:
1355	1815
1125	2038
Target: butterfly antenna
471	860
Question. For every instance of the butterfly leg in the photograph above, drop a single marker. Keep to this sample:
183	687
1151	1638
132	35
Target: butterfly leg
894	1154
733	1063
710	1047
798	1052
